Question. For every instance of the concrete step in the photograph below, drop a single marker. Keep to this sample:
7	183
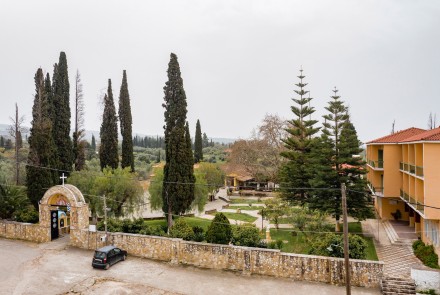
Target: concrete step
389	230
404	241
398	285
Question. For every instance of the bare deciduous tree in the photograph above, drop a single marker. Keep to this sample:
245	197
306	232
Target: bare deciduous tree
78	134
15	131
260	156
432	121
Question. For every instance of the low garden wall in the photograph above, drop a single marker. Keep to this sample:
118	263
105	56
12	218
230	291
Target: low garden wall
24	231
426	279
244	259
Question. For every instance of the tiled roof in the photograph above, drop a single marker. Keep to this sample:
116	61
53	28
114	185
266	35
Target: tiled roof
399	136
430	135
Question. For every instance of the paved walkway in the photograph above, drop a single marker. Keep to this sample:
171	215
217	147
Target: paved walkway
398	258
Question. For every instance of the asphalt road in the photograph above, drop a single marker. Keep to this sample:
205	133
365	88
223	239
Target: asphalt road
56	268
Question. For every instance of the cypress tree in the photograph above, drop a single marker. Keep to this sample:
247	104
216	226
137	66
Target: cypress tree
49	113
41	146
205	141
296	173
93	144
125	121
190	178
198	144
48	92
108	150
61	122
177	194
2	141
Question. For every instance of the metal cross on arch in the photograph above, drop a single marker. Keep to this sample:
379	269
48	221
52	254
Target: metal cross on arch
63	177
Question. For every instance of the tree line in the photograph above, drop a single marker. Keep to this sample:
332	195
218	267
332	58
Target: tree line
52	150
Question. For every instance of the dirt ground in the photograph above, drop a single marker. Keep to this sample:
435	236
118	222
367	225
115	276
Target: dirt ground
56	268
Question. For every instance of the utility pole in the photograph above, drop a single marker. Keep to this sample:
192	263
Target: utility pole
105	220
346	260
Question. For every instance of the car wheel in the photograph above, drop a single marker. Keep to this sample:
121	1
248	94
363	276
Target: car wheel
107	266
124	257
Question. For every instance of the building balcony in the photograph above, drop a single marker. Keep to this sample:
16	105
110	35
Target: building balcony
376	165
376	191
411	169
412	202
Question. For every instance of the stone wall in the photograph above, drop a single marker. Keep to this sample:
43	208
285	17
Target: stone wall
223	257
243	259
24	231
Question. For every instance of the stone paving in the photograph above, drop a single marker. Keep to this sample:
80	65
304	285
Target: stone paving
399	257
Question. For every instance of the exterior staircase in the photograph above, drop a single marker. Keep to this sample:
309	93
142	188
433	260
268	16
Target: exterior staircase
392	235
396	285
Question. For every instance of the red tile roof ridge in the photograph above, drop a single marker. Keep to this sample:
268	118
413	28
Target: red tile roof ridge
399	136
429	135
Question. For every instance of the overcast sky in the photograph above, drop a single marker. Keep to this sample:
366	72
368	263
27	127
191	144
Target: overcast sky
239	59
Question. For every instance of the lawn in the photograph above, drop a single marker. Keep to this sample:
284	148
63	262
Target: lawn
297	242
234	207
240	216
246	201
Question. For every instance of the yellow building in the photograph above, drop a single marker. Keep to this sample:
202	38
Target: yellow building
404	175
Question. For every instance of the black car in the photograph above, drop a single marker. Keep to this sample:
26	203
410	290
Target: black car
108	255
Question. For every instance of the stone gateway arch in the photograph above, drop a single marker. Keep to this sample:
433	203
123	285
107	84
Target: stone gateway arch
63	210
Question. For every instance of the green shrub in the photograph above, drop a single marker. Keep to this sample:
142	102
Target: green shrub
245	235
417	244
132	226
181	229
429	292
279	244
199	233
219	231
28	214
113	225
332	245
262	244
272	245
426	254
154	230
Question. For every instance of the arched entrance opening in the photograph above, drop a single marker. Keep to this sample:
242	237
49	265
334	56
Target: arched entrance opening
64	210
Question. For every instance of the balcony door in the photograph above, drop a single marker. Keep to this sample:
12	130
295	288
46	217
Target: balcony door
380	158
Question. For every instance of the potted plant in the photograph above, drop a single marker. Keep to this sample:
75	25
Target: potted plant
397	215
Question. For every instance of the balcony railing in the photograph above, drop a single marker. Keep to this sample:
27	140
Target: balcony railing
411	169
375	164
419	206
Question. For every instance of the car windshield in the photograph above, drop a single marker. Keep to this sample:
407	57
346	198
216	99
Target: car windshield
100	255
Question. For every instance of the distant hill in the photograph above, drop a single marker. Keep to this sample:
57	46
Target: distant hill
4	131
214	139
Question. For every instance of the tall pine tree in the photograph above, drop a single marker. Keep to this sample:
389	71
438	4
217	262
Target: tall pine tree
295	173
334	120
41	157
125	121
178	190
108	150
61	122
353	173
337	165
198	144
